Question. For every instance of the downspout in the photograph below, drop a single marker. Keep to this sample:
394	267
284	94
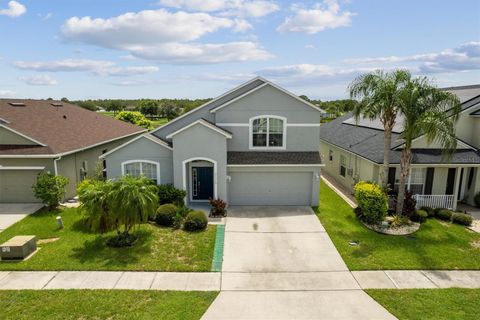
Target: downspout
55	168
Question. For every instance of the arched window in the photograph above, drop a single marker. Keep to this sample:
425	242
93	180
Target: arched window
147	168
267	132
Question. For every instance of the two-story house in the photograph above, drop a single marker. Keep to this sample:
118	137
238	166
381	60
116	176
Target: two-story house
353	151
254	145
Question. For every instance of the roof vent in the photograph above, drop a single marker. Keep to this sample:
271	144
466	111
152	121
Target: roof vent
56	104
64	117
17	104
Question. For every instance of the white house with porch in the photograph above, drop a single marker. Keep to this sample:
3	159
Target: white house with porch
353	152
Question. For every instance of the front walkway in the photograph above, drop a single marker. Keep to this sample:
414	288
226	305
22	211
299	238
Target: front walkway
279	263
11	213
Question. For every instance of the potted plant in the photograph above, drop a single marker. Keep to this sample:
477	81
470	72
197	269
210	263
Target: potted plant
219	208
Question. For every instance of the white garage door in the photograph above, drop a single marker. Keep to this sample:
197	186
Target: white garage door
270	188
16	186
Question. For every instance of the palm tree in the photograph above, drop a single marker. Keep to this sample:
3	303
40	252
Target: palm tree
430	111
379	94
94	196
133	199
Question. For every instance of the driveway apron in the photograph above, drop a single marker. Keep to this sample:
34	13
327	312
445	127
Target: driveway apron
279	263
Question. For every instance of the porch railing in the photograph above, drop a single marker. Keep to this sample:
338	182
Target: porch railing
434	200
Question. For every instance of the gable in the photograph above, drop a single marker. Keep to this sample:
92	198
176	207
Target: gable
202	123
266	100
10	137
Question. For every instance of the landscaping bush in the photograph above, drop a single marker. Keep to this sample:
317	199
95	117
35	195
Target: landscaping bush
195	221
166	215
219	207
419	216
476	199
372	201
50	188
429	211
462	218
169	194
94	196
437	210
444	214
409	205
399	220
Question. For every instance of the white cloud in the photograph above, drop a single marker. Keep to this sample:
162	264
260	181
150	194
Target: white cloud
98	67
309	46
241	8
7	94
45	16
41	80
466	57
188	53
15	9
325	15
164	36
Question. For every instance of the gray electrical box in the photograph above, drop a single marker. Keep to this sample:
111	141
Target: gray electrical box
18	248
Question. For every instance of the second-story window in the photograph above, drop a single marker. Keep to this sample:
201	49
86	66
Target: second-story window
268	132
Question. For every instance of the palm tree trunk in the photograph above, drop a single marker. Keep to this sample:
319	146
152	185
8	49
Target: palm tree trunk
405	160
387	143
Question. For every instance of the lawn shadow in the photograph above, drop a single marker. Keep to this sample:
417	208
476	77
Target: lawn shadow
97	252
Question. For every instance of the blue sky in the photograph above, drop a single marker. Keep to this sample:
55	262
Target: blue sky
201	48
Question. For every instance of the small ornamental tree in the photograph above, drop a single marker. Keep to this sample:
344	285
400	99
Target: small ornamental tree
135	118
94	196
50	188
131	201
372	201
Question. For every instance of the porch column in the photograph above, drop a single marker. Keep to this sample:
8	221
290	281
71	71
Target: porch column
456	187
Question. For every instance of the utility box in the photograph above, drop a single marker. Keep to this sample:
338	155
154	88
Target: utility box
18	248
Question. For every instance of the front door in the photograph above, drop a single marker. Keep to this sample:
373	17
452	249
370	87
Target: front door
202	183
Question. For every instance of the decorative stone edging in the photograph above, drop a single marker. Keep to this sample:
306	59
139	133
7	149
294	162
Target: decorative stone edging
401	231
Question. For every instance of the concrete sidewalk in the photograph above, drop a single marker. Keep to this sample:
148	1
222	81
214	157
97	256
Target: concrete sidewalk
239	281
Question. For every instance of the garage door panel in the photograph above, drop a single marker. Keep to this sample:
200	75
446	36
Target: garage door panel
270	188
16	186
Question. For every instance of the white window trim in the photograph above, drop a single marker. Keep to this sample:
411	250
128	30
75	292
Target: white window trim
250	133
141	167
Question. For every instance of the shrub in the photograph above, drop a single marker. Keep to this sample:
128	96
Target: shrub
476	199
50	188
169	194
419	216
94	196
372	201
166	215
462	218
218	207
135	118
409	204
399	220
444	214
429	211
195	221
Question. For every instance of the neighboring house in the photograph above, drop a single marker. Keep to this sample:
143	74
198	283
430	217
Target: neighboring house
353	152
254	145
53	136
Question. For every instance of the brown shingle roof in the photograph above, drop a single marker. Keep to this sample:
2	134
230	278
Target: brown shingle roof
62	128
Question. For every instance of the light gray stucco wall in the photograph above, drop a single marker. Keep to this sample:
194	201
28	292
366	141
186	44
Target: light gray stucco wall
199	141
271	101
142	149
9	137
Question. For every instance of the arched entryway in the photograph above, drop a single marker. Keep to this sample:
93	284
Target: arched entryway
200	179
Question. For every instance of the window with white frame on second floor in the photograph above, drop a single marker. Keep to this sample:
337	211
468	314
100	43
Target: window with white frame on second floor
343	166
268	132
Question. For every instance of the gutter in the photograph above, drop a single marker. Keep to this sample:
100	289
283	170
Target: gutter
55	168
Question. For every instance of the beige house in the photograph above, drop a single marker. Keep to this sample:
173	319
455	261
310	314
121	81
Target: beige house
52	136
353	152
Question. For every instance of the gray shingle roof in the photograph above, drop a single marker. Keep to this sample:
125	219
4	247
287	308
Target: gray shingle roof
368	143
280	157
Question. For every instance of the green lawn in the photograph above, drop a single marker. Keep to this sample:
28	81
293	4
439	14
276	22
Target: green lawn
434	304
436	245
158	249
103	304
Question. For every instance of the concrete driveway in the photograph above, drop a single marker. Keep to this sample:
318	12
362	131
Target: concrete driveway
279	263
10	213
